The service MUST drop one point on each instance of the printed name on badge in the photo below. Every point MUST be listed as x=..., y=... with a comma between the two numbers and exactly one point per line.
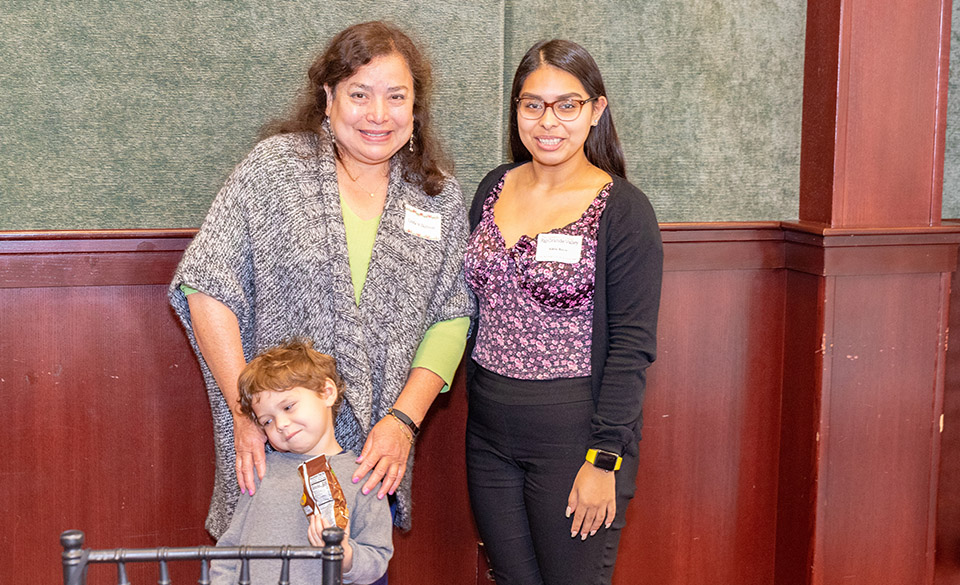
x=559, y=248
x=423, y=224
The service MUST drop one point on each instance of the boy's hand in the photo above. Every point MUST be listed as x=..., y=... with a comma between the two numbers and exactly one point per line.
x=384, y=456
x=248, y=441
x=315, y=536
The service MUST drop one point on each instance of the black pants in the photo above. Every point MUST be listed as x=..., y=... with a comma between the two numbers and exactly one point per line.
x=522, y=457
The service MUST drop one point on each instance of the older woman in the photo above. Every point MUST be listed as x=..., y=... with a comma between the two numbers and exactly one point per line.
x=343, y=227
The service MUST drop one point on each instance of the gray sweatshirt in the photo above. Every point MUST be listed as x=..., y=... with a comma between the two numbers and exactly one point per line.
x=273, y=517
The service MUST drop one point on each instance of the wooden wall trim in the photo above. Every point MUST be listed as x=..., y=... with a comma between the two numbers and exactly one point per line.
x=90, y=258
x=137, y=257
x=823, y=251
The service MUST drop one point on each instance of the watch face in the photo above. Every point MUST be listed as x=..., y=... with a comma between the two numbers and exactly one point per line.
x=605, y=460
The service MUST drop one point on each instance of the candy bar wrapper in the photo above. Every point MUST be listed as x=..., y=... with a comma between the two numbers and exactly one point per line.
x=322, y=493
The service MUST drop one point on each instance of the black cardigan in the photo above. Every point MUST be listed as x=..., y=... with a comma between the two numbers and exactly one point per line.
x=626, y=301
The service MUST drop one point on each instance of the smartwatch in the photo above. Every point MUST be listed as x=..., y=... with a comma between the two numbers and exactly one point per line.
x=604, y=460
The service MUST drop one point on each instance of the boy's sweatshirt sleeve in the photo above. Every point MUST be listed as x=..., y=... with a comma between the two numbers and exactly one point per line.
x=371, y=536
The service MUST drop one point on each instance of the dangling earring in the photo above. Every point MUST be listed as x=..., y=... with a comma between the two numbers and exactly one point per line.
x=411, y=143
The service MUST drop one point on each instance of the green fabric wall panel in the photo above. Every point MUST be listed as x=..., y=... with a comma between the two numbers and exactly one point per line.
x=126, y=115
x=951, y=170
x=131, y=115
x=706, y=95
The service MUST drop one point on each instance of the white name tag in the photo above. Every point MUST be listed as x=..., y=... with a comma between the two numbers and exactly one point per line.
x=423, y=224
x=559, y=248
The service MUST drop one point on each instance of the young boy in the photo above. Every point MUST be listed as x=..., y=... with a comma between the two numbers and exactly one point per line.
x=293, y=392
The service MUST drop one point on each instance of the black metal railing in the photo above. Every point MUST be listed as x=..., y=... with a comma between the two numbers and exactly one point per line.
x=76, y=559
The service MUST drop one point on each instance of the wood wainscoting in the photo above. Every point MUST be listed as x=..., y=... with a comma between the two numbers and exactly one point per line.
x=109, y=428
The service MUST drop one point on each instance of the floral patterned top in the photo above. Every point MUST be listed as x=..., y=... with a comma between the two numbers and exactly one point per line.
x=535, y=315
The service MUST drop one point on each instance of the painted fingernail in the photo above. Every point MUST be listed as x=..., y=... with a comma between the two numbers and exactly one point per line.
x=573, y=535
x=365, y=491
x=356, y=479
x=379, y=496
x=592, y=532
x=569, y=511
x=583, y=536
x=607, y=525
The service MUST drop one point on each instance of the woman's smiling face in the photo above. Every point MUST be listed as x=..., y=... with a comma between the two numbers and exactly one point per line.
x=371, y=112
x=552, y=141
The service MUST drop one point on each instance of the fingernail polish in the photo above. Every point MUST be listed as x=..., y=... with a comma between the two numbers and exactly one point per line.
x=592, y=532
x=573, y=535
x=365, y=491
x=583, y=537
x=356, y=479
x=569, y=511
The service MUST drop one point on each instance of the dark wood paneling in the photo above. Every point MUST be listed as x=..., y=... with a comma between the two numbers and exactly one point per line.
x=879, y=428
x=816, y=249
x=818, y=147
x=799, y=422
x=705, y=507
x=99, y=258
x=108, y=428
x=442, y=545
x=862, y=394
x=948, y=502
x=108, y=404
x=874, y=97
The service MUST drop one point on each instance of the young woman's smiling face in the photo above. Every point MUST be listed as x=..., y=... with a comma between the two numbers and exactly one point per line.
x=371, y=112
x=550, y=140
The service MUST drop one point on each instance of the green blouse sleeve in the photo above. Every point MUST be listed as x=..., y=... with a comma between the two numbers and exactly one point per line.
x=442, y=347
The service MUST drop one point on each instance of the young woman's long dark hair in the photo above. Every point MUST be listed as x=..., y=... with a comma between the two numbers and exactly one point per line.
x=602, y=146
x=349, y=50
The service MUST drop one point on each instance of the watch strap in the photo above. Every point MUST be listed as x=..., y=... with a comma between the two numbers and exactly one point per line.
x=402, y=417
x=604, y=459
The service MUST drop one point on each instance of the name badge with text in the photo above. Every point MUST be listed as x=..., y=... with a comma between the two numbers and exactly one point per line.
x=423, y=224
x=559, y=248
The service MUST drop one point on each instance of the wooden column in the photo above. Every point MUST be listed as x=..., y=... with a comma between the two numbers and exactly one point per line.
x=868, y=284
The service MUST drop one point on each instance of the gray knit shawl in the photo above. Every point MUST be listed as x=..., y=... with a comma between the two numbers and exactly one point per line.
x=273, y=249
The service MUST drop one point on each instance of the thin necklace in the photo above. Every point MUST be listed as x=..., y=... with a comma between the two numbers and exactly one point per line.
x=357, y=183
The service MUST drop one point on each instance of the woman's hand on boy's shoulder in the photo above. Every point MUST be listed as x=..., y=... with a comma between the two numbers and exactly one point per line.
x=249, y=441
x=384, y=457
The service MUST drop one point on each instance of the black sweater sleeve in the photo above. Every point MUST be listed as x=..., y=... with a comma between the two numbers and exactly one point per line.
x=626, y=306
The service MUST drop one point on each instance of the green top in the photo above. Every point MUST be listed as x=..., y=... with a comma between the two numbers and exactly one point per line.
x=443, y=343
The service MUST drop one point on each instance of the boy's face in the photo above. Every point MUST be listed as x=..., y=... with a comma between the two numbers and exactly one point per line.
x=298, y=420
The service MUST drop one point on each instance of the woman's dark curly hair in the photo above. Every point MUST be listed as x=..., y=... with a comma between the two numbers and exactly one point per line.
x=349, y=50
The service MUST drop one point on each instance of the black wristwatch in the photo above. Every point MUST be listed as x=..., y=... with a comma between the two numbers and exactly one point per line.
x=604, y=460
x=400, y=416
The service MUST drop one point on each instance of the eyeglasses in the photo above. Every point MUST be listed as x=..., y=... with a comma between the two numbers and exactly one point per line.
x=566, y=110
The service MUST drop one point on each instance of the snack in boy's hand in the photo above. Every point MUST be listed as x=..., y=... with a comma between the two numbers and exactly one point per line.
x=322, y=493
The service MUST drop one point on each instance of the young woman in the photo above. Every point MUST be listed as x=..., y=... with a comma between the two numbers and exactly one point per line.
x=566, y=261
